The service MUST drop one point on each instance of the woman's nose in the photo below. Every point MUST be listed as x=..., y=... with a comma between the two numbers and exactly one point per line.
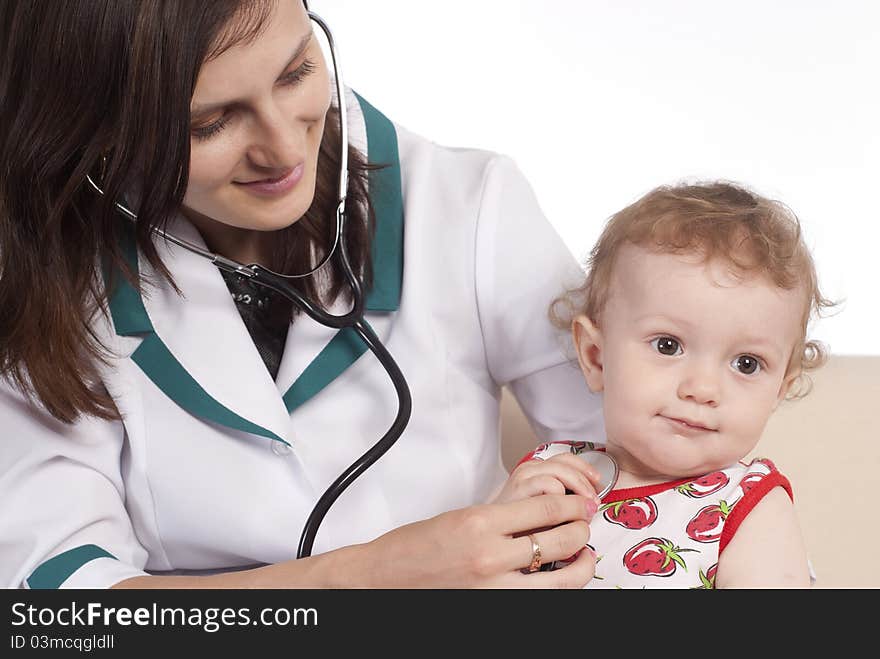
x=277, y=141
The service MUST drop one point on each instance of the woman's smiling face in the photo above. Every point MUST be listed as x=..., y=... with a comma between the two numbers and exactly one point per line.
x=257, y=119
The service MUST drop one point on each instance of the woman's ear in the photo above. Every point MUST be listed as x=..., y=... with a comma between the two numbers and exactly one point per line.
x=588, y=342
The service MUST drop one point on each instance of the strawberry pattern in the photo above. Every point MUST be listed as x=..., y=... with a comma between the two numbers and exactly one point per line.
x=670, y=535
x=707, y=580
x=635, y=513
x=704, y=485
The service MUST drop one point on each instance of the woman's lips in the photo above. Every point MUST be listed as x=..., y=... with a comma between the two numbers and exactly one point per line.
x=276, y=186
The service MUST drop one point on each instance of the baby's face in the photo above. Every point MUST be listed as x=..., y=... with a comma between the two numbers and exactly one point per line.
x=692, y=361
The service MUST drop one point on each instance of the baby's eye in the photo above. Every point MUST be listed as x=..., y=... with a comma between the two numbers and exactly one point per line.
x=747, y=364
x=666, y=345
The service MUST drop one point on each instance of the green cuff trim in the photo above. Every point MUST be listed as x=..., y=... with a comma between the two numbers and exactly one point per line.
x=55, y=571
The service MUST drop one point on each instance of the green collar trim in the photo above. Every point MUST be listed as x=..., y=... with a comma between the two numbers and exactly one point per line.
x=126, y=305
x=387, y=197
x=157, y=361
x=159, y=364
x=341, y=352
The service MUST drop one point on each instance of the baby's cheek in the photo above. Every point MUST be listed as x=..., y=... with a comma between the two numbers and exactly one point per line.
x=636, y=392
x=748, y=411
x=627, y=408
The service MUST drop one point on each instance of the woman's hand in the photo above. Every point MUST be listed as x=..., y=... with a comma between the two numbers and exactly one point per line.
x=486, y=546
x=556, y=475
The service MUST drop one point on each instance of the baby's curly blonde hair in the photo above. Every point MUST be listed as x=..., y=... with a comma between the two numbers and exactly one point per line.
x=717, y=220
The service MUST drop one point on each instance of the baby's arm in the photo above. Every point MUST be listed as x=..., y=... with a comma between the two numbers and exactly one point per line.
x=767, y=550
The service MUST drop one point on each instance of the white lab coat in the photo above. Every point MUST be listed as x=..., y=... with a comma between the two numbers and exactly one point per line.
x=197, y=477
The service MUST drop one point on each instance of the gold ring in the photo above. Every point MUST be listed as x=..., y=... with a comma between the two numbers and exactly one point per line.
x=535, y=565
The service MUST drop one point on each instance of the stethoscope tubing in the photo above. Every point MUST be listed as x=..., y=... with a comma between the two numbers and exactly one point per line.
x=404, y=410
x=353, y=319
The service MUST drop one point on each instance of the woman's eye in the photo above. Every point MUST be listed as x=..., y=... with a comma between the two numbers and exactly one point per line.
x=211, y=129
x=300, y=72
x=666, y=345
x=747, y=364
x=294, y=77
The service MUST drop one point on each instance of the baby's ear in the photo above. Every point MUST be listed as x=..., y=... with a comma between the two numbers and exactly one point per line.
x=787, y=383
x=588, y=342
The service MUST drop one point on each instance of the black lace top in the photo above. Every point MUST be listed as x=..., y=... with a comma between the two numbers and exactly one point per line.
x=265, y=313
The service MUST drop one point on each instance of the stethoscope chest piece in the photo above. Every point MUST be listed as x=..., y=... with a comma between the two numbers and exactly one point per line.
x=608, y=472
x=607, y=467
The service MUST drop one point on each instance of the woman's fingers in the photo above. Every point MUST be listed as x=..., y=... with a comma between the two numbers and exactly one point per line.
x=496, y=535
x=546, y=546
x=486, y=546
x=537, y=485
x=575, y=574
x=556, y=475
x=546, y=510
x=575, y=474
x=560, y=542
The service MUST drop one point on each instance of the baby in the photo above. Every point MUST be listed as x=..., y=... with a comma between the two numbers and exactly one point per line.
x=692, y=323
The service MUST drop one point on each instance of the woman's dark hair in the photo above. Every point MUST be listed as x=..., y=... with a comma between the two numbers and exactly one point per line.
x=80, y=79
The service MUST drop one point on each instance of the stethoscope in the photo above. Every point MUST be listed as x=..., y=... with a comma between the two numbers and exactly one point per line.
x=608, y=471
x=354, y=319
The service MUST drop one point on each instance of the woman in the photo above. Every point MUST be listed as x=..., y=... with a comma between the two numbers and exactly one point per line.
x=169, y=425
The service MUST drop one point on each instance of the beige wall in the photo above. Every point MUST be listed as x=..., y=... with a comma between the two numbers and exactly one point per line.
x=828, y=444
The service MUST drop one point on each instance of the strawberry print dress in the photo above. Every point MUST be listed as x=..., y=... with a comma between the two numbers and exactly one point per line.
x=670, y=535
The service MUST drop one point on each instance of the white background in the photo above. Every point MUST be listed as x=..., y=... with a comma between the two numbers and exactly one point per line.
x=599, y=101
